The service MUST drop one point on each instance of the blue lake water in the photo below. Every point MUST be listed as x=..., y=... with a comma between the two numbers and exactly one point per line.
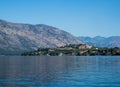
x=99, y=71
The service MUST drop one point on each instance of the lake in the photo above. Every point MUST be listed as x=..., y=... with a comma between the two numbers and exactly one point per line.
x=97, y=71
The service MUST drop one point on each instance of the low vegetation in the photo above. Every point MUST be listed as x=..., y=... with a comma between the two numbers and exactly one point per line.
x=74, y=50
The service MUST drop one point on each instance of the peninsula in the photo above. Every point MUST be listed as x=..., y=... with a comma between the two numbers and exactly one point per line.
x=74, y=50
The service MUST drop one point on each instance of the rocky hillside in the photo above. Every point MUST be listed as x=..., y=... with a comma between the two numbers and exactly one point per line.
x=21, y=37
x=113, y=41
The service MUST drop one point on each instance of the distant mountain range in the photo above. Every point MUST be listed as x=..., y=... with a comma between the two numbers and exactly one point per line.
x=113, y=41
x=15, y=37
x=18, y=37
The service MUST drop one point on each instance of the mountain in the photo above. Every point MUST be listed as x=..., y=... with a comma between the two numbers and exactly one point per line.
x=25, y=37
x=113, y=41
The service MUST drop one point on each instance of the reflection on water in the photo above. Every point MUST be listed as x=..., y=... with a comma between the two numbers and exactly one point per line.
x=59, y=71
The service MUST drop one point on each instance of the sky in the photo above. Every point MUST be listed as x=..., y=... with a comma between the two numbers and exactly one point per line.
x=78, y=17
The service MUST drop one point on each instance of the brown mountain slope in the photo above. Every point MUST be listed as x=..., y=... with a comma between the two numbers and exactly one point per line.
x=18, y=37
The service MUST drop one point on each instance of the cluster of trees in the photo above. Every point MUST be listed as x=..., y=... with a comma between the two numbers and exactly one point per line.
x=74, y=50
x=104, y=51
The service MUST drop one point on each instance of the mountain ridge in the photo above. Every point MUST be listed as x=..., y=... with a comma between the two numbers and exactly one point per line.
x=112, y=41
x=18, y=36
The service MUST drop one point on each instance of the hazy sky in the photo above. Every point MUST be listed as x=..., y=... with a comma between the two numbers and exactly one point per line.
x=79, y=17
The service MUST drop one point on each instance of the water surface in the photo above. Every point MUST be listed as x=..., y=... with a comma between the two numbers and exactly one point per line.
x=59, y=71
